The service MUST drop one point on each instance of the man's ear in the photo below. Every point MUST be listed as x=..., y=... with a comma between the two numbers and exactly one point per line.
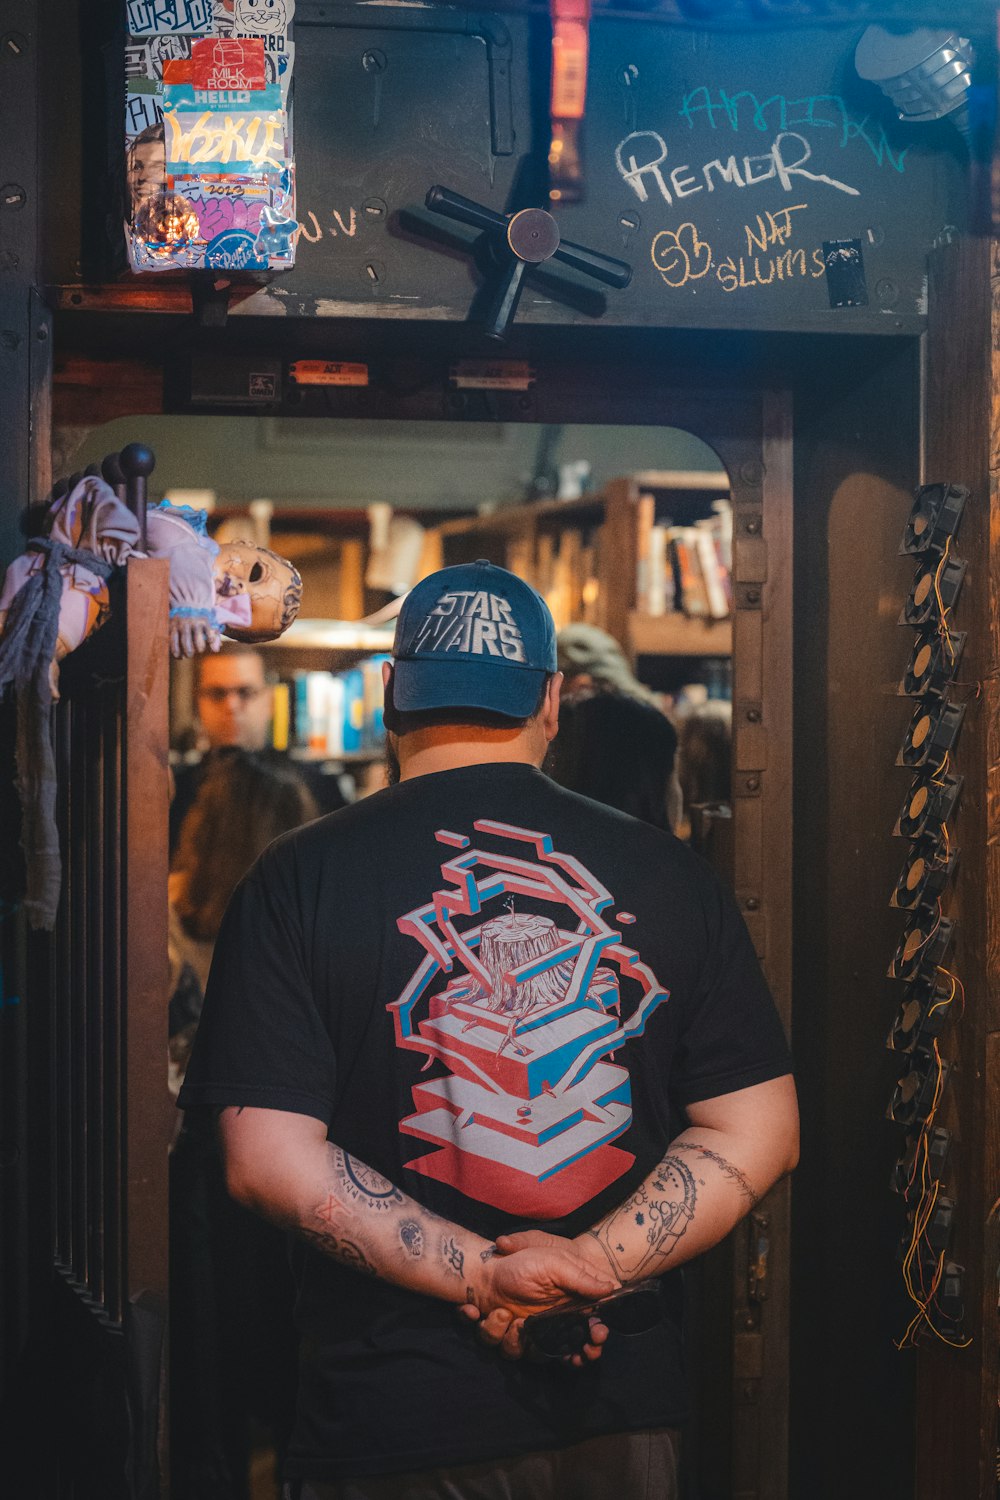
x=550, y=706
x=389, y=707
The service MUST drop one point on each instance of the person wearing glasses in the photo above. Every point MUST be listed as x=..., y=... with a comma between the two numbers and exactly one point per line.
x=234, y=702
x=501, y=1060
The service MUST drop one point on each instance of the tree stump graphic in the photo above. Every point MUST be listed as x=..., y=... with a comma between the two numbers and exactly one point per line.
x=507, y=944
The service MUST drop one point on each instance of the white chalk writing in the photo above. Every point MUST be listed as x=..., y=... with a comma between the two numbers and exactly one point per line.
x=642, y=155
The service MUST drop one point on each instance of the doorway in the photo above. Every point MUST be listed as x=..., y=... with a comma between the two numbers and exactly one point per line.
x=597, y=517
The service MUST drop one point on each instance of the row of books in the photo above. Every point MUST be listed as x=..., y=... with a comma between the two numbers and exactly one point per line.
x=331, y=714
x=685, y=568
x=565, y=568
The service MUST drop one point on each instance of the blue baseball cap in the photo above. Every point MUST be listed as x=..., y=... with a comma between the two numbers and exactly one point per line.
x=474, y=636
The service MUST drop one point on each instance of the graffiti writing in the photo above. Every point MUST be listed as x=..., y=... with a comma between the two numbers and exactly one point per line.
x=681, y=255
x=313, y=231
x=777, y=114
x=239, y=142
x=641, y=156
x=168, y=15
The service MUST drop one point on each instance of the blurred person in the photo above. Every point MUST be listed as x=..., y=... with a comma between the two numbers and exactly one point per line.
x=232, y=1339
x=589, y=658
x=704, y=760
x=235, y=704
x=618, y=750
x=235, y=699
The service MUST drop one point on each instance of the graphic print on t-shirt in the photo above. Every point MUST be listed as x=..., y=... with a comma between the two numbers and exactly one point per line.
x=527, y=1026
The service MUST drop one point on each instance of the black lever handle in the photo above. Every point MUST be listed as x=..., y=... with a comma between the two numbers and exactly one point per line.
x=526, y=239
x=453, y=206
x=616, y=273
x=504, y=303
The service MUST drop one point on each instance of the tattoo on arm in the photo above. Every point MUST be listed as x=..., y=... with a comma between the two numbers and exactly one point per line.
x=488, y=1253
x=412, y=1237
x=346, y=1251
x=454, y=1256
x=727, y=1168
x=661, y=1214
x=363, y=1185
x=331, y=1209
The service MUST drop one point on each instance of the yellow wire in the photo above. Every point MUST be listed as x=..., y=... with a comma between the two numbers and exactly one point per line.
x=943, y=629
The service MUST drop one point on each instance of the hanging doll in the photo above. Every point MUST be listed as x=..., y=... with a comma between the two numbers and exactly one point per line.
x=56, y=594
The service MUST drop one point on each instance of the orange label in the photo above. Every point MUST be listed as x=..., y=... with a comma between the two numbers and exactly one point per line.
x=327, y=372
x=569, y=70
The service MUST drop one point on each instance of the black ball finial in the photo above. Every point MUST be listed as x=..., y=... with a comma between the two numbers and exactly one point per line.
x=137, y=461
x=111, y=470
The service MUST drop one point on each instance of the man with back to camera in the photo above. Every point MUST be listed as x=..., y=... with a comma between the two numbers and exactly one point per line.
x=235, y=703
x=481, y=1043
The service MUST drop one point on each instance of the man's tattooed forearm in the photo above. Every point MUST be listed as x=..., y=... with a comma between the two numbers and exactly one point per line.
x=727, y=1168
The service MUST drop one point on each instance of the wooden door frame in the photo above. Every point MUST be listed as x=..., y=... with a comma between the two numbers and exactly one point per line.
x=751, y=432
x=956, y=1444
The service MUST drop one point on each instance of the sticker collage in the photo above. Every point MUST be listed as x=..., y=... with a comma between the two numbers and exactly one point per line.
x=209, y=162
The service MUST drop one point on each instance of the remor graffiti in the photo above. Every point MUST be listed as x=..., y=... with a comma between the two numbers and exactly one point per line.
x=641, y=156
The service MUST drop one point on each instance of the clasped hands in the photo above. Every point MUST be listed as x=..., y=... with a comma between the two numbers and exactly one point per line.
x=531, y=1272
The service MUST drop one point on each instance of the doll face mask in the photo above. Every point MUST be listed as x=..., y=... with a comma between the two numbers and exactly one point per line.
x=273, y=586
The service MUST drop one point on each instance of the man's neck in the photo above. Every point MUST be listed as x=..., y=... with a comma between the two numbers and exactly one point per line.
x=450, y=747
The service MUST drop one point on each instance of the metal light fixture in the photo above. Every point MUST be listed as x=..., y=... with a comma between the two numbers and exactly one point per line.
x=926, y=74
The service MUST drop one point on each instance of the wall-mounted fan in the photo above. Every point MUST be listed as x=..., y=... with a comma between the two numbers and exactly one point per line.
x=937, y=510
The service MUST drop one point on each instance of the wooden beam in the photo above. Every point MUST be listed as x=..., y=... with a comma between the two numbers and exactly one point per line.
x=90, y=392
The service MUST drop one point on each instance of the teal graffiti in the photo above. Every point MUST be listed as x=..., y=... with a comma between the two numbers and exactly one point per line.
x=776, y=113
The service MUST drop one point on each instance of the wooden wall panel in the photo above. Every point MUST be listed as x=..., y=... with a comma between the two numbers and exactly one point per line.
x=957, y=1389
x=856, y=436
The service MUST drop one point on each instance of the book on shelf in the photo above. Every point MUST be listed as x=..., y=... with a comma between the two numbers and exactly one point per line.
x=687, y=568
x=336, y=714
x=645, y=521
x=713, y=572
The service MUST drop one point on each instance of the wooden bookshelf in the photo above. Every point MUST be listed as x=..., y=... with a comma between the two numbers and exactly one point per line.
x=678, y=635
x=582, y=556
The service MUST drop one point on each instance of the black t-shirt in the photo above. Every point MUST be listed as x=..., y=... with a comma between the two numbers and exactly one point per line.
x=500, y=995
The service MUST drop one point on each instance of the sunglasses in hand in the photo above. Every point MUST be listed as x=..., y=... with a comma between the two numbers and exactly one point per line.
x=563, y=1331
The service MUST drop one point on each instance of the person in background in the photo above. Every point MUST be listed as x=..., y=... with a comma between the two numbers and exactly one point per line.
x=232, y=1340
x=704, y=759
x=590, y=660
x=630, y=750
x=618, y=750
x=235, y=702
